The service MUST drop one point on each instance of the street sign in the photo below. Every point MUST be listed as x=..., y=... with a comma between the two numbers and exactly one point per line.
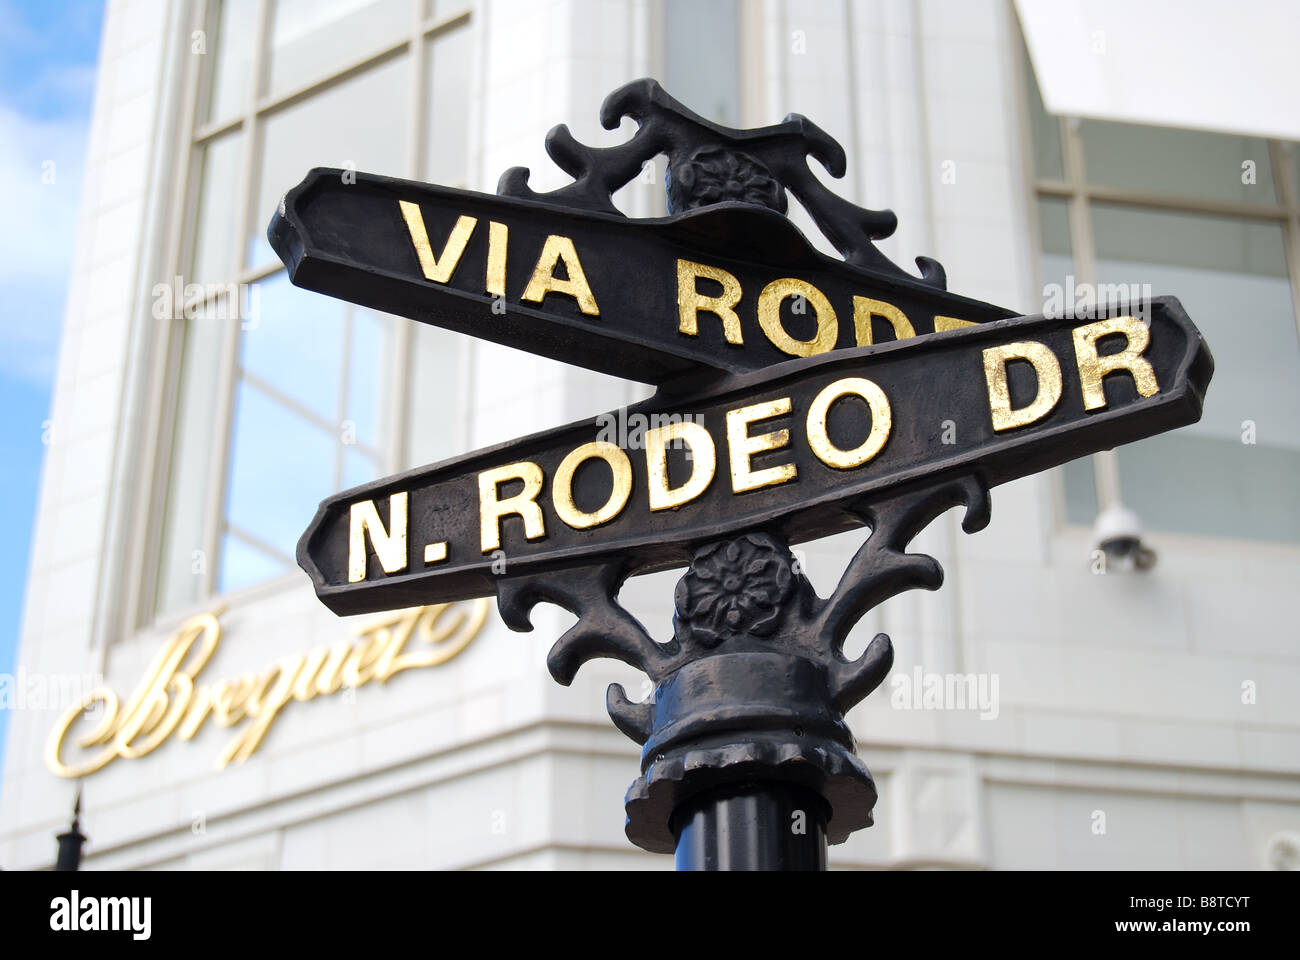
x=799, y=396
x=726, y=284
x=792, y=447
x=721, y=290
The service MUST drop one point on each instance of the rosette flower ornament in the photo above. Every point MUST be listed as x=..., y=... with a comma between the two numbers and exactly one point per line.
x=716, y=175
x=734, y=587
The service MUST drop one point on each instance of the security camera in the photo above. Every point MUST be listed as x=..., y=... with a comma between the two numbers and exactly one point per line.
x=1283, y=852
x=1118, y=535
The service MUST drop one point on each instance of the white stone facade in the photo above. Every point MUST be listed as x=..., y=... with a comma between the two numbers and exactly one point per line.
x=1119, y=694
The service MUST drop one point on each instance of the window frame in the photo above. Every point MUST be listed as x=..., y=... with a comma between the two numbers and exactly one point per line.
x=195, y=135
x=1079, y=195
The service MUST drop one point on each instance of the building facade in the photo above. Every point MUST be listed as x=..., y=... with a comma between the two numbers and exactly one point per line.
x=1132, y=709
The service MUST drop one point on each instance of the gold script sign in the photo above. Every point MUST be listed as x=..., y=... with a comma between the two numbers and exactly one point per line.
x=169, y=700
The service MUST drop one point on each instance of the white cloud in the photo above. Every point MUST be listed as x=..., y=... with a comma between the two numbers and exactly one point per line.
x=39, y=236
x=67, y=84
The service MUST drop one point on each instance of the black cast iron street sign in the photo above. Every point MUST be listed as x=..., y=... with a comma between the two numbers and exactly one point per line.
x=798, y=396
x=722, y=289
x=793, y=447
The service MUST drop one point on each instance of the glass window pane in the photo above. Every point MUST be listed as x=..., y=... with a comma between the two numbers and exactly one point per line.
x=448, y=72
x=434, y=424
x=1187, y=163
x=443, y=9
x=232, y=60
x=1045, y=129
x=358, y=468
x=214, y=225
x=243, y=565
x=1080, y=484
x=1054, y=234
x=339, y=127
x=1213, y=486
x=281, y=467
x=701, y=57
x=365, y=415
x=1231, y=278
x=311, y=39
x=294, y=342
x=183, y=564
x=1198, y=248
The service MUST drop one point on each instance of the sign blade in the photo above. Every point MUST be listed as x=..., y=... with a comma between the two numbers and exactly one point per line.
x=794, y=447
x=726, y=289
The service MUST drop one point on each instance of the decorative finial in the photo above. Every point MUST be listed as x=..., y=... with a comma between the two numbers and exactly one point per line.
x=709, y=163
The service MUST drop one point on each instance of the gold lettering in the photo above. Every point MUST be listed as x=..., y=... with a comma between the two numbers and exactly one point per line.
x=448, y=639
x=396, y=631
x=881, y=422
x=562, y=485
x=273, y=691
x=545, y=281
x=1093, y=368
x=390, y=545
x=942, y=323
x=162, y=700
x=54, y=745
x=200, y=706
x=703, y=462
x=167, y=700
x=438, y=270
x=742, y=446
x=153, y=711
x=322, y=673
x=230, y=699
x=524, y=503
x=498, y=237
x=366, y=652
x=864, y=308
x=690, y=302
x=769, y=317
x=1047, y=371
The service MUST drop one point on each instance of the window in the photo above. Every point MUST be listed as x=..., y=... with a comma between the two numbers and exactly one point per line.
x=284, y=396
x=701, y=57
x=1212, y=220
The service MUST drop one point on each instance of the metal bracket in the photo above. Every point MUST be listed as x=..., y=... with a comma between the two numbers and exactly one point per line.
x=754, y=683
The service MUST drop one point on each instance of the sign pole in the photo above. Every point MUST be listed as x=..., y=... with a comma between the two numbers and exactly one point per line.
x=71, y=841
x=752, y=827
x=799, y=396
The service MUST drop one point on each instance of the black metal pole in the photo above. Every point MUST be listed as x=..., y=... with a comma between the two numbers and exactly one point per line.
x=759, y=826
x=70, y=843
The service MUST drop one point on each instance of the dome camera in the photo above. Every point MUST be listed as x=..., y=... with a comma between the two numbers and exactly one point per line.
x=1118, y=535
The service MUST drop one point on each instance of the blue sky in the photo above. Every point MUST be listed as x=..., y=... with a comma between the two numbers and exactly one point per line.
x=48, y=51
